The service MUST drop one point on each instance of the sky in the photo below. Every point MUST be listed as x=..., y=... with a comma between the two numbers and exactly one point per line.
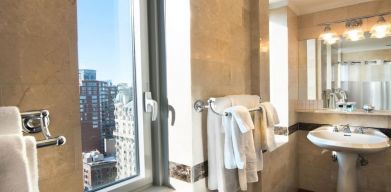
x=104, y=39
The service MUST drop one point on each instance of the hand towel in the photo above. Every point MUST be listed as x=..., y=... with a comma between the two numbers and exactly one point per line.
x=236, y=125
x=14, y=171
x=10, y=121
x=252, y=102
x=267, y=120
x=216, y=170
x=32, y=160
x=18, y=154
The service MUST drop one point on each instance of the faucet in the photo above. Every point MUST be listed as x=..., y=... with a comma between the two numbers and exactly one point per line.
x=360, y=130
x=346, y=128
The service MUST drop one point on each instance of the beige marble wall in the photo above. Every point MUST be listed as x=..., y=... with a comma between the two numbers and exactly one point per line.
x=317, y=172
x=293, y=65
x=309, y=24
x=39, y=71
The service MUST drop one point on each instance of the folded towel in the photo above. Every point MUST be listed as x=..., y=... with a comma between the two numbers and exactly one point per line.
x=271, y=114
x=14, y=171
x=10, y=121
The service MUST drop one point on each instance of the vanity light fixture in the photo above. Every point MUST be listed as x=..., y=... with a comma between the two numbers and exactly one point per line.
x=354, y=31
x=328, y=36
x=381, y=29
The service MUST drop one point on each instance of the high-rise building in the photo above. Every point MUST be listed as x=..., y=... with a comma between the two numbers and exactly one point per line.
x=96, y=110
x=125, y=132
x=98, y=170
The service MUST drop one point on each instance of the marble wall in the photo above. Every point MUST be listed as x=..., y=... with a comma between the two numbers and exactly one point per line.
x=38, y=61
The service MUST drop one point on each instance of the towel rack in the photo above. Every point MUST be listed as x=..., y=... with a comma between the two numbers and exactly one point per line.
x=38, y=121
x=201, y=105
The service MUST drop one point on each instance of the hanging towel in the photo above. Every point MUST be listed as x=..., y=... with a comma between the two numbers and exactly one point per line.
x=252, y=102
x=32, y=160
x=14, y=171
x=216, y=170
x=18, y=166
x=239, y=151
x=268, y=119
x=10, y=121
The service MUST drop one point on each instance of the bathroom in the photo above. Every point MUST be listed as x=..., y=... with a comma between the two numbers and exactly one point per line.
x=121, y=95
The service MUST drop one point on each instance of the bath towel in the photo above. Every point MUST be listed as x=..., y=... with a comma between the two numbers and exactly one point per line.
x=11, y=122
x=216, y=170
x=18, y=154
x=239, y=151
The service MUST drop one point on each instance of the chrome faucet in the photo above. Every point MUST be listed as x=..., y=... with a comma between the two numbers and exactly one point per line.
x=360, y=130
x=335, y=129
x=346, y=128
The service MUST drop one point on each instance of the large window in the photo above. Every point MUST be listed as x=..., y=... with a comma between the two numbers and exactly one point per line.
x=114, y=131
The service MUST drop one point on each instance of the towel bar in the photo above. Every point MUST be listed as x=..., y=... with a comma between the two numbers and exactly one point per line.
x=38, y=121
x=201, y=105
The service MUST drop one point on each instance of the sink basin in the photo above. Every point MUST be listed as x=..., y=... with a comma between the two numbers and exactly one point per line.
x=371, y=141
x=348, y=146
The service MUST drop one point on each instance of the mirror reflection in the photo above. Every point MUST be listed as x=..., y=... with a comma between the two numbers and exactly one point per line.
x=347, y=75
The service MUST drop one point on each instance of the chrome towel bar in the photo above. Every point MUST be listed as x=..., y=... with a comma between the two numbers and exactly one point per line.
x=38, y=121
x=201, y=105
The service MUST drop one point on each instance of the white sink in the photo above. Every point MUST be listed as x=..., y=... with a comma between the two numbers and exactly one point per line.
x=371, y=141
x=348, y=146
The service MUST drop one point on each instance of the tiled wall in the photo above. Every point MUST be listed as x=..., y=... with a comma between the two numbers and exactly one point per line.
x=39, y=71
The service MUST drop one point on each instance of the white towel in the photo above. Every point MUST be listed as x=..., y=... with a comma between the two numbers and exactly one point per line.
x=10, y=121
x=14, y=171
x=32, y=159
x=252, y=102
x=18, y=154
x=216, y=170
x=239, y=151
x=236, y=125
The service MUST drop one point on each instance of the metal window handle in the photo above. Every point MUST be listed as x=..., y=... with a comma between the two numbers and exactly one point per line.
x=150, y=105
x=172, y=110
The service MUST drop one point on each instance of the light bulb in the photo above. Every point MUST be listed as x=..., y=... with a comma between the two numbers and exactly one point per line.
x=354, y=31
x=381, y=29
x=328, y=36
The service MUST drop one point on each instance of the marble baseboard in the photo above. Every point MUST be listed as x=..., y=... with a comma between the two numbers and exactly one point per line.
x=187, y=173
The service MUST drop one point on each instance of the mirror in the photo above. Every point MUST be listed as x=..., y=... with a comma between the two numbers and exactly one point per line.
x=346, y=74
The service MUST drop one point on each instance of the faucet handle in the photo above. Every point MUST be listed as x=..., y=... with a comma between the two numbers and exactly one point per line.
x=335, y=129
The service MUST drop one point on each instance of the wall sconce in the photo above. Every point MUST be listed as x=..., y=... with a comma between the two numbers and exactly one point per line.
x=381, y=29
x=354, y=31
x=328, y=36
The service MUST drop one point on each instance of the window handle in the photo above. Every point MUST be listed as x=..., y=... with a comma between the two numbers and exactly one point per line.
x=172, y=110
x=150, y=105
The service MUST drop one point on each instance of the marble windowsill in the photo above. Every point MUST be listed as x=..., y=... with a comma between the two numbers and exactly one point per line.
x=355, y=112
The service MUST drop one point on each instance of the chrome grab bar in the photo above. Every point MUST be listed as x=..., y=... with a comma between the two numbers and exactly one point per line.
x=38, y=121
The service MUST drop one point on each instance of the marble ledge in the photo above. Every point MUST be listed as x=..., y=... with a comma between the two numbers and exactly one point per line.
x=355, y=112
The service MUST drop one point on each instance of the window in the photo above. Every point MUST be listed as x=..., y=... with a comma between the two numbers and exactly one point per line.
x=113, y=76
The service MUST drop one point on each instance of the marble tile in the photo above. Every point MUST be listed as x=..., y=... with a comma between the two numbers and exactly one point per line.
x=39, y=71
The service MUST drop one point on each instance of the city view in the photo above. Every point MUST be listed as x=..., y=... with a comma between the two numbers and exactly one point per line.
x=108, y=130
x=107, y=112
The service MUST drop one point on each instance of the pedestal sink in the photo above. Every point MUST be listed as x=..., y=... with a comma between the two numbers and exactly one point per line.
x=348, y=146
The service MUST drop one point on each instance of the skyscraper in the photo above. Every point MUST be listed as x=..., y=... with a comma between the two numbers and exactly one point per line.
x=96, y=110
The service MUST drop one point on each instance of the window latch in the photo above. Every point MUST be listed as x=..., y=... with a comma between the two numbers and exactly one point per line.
x=150, y=105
